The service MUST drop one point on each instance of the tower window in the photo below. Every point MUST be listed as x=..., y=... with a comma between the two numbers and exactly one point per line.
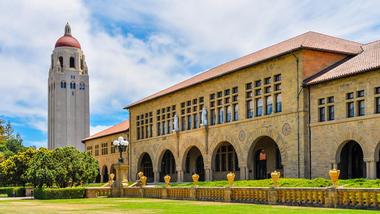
x=72, y=85
x=61, y=61
x=63, y=84
x=72, y=62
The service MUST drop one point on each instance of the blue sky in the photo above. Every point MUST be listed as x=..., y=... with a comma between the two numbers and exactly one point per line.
x=134, y=48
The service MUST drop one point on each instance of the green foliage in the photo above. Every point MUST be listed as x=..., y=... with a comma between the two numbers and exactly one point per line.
x=59, y=193
x=12, y=170
x=10, y=143
x=12, y=191
x=42, y=169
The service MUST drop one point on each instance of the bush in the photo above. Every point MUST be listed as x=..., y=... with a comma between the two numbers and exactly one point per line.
x=59, y=193
x=13, y=191
x=6, y=191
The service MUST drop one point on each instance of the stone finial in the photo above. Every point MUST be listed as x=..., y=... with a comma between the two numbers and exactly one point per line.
x=67, y=29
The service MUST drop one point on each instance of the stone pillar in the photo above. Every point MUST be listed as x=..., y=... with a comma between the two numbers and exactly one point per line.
x=208, y=174
x=272, y=196
x=179, y=176
x=121, y=179
x=371, y=169
x=164, y=193
x=193, y=193
x=227, y=194
x=156, y=176
x=243, y=173
x=331, y=198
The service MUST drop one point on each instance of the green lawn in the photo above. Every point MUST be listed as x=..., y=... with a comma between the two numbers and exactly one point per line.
x=128, y=205
x=291, y=182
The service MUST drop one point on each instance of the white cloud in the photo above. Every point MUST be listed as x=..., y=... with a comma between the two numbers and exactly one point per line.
x=96, y=129
x=177, y=37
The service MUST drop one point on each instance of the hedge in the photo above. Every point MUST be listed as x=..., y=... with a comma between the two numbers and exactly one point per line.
x=59, y=193
x=13, y=191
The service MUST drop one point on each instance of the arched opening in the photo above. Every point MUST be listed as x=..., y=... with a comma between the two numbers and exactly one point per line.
x=61, y=61
x=146, y=166
x=351, y=163
x=264, y=158
x=168, y=166
x=113, y=171
x=225, y=160
x=72, y=62
x=194, y=164
x=105, y=174
x=98, y=177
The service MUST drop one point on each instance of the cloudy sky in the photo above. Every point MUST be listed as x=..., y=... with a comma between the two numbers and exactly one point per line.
x=134, y=48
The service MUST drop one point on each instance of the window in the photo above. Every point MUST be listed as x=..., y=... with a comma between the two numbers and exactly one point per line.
x=249, y=109
x=259, y=107
x=277, y=77
x=361, y=108
x=189, y=122
x=104, y=148
x=322, y=116
x=236, y=112
x=360, y=93
x=190, y=118
x=81, y=86
x=278, y=102
x=350, y=96
x=96, y=150
x=269, y=105
x=350, y=109
x=267, y=80
x=61, y=61
x=72, y=62
x=377, y=100
x=226, y=159
x=220, y=116
x=89, y=150
x=72, y=85
x=331, y=112
x=183, y=123
x=144, y=126
x=63, y=84
x=212, y=117
x=228, y=114
x=257, y=83
x=196, y=121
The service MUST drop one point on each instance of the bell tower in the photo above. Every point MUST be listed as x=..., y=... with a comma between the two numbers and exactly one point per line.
x=68, y=94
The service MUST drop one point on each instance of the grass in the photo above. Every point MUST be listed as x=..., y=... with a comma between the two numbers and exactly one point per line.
x=290, y=182
x=129, y=205
x=94, y=185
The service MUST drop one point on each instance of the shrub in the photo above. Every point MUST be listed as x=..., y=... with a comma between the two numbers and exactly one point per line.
x=59, y=193
x=19, y=191
x=6, y=191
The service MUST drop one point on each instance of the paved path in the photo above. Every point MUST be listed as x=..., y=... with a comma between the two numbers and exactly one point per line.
x=15, y=198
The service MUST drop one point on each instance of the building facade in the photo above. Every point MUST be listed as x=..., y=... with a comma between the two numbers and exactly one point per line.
x=309, y=104
x=101, y=148
x=68, y=94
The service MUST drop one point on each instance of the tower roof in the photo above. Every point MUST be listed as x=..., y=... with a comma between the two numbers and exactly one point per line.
x=67, y=40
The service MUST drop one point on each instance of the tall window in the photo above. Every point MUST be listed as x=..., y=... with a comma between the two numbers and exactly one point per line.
x=226, y=159
x=61, y=61
x=212, y=117
x=145, y=125
x=183, y=123
x=278, y=102
x=104, y=148
x=72, y=62
x=220, y=115
x=268, y=105
x=326, y=109
x=189, y=122
x=236, y=112
x=259, y=107
x=190, y=111
x=357, y=102
x=377, y=100
x=228, y=114
x=196, y=121
x=63, y=84
x=322, y=116
x=164, y=118
x=249, y=109
x=89, y=150
x=72, y=85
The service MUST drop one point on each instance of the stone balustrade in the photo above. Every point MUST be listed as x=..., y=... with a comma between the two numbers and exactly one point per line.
x=315, y=197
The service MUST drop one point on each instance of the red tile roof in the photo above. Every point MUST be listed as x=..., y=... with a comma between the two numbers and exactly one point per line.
x=118, y=128
x=368, y=60
x=311, y=40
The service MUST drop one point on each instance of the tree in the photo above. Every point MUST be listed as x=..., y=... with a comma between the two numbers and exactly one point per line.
x=73, y=167
x=42, y=169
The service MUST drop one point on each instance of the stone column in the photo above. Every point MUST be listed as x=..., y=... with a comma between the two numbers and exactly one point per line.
x=243, y=173
x=208, y=174
x=371, y=169
x=227, y=194
x=272, y=196
x=156, y=176
x=121, y=179
x=179, y=176
x=331, y=198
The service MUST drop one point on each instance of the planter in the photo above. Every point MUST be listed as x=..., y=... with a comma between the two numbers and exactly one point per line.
x=195, y=177
x=231, y=178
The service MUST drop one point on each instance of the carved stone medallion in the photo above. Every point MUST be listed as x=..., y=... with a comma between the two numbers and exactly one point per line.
x=242, y=135
x=286, y=129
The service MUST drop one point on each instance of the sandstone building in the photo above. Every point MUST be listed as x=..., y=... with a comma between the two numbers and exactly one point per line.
x=309, y=103
x=100, y=146
x=68, y=96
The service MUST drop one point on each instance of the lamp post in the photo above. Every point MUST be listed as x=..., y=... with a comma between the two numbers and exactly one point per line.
x=121, y=144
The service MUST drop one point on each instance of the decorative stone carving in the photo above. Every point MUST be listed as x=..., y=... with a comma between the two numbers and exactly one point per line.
x=204, y=116
x=242, y=135
x=175, y=123
x=286, y=129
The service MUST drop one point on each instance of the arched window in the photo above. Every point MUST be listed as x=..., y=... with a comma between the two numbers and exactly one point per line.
x=72, y=62
x=226, y=159
x=72, y=85
x=61, y=61
x=63, y=84
x=81, y=86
